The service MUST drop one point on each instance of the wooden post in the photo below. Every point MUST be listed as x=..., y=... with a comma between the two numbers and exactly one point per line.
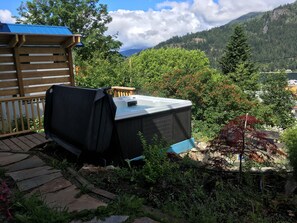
x=13, y=43
x=70, y=64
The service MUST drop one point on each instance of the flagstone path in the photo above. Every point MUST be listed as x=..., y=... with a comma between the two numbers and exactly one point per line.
x=33, y=175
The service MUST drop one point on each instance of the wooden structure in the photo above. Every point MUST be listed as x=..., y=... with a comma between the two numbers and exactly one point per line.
x=22, y=143
x=29, y=65
x=122, y=91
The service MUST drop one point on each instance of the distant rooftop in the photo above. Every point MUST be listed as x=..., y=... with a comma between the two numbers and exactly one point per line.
x=34, y=29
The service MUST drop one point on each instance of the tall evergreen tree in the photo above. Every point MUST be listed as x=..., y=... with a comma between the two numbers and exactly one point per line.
x=236, y=52
x=236, y=62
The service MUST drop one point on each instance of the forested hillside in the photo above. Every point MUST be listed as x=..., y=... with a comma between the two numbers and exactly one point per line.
x=272, y=36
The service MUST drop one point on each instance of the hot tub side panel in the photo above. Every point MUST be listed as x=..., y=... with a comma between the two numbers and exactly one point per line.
x=172, y=125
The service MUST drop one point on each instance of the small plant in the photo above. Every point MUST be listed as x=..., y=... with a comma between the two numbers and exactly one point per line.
x=34, y=210
x=127, y=205
x=157, y=165
x=5, y=202
x=62, y=165
x=289, y=137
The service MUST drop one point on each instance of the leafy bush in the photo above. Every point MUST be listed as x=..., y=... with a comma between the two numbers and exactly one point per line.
x=278, y=99
x=215, y=99
x=148, y=67
x=157, y=165
x=289, y=137
x=100, y=71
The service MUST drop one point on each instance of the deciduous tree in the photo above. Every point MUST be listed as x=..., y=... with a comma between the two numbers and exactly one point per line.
x=278, y=99
x=150, y=65
x=85, y=17
x=240, y=137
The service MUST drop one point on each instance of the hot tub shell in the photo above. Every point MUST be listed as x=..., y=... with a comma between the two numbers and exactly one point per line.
x=91, y=121
x=169, y=119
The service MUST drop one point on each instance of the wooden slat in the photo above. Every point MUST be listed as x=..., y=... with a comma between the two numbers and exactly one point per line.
x=5, y=84
x=45, y=73
x=7, y=76
x=15, y=116
x=27, y=114
x=27, y=98
x=40, y=50
x=2, y=117
x=33, y=113
x=14, y=133
x=39, y=115
x=36, y=89
x=21, y=114
x=46, y=81
x=11, y=145
x=26, y=141
x=34, y=140
x=8, y=116
x=45, y=40
x=43, y=66
x=9, y=92
x=5, y=50
x=40, y=137
x=3, y=146
x=41, y=58
x=6, y=59
x=20, y=144
x=7, y=67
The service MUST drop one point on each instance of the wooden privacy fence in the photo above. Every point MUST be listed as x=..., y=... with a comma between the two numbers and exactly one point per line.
x=29, y=65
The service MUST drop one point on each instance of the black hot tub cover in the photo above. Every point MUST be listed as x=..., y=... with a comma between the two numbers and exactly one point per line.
x=79, y=119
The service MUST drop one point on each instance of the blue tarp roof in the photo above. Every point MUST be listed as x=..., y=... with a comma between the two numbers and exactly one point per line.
x=34, y=29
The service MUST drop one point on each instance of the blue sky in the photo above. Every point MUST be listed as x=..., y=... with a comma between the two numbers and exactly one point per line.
x=113, y=5
x=145, y=23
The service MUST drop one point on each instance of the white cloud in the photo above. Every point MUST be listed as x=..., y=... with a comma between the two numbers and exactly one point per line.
x=6, y=16
x=227, y=10
x=148, y=28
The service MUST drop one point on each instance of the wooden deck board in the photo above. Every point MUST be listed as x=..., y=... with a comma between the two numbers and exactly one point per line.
x=40, y=137
x=3, y=146
x=34, y=140
x=11, y=145
x=20, y=144
x=23, y=143
x=28, y=142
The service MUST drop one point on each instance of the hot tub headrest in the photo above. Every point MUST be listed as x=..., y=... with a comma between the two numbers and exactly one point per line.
x=79, y=119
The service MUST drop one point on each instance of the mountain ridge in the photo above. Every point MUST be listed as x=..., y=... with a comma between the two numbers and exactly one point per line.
x=271, y=35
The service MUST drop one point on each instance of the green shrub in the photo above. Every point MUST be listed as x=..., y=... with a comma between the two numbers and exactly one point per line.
x=289, y=137
x=157, y=165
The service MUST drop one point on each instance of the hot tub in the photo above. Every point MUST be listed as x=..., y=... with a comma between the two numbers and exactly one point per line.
x=166, y=118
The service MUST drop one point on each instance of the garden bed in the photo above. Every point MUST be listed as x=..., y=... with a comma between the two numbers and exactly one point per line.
x=186, y=189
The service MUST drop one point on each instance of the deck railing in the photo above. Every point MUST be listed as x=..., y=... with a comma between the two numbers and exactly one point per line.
x=20, y=115
x=122, y=91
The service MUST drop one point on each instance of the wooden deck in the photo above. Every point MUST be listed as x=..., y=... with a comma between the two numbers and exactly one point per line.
x=23, y=143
